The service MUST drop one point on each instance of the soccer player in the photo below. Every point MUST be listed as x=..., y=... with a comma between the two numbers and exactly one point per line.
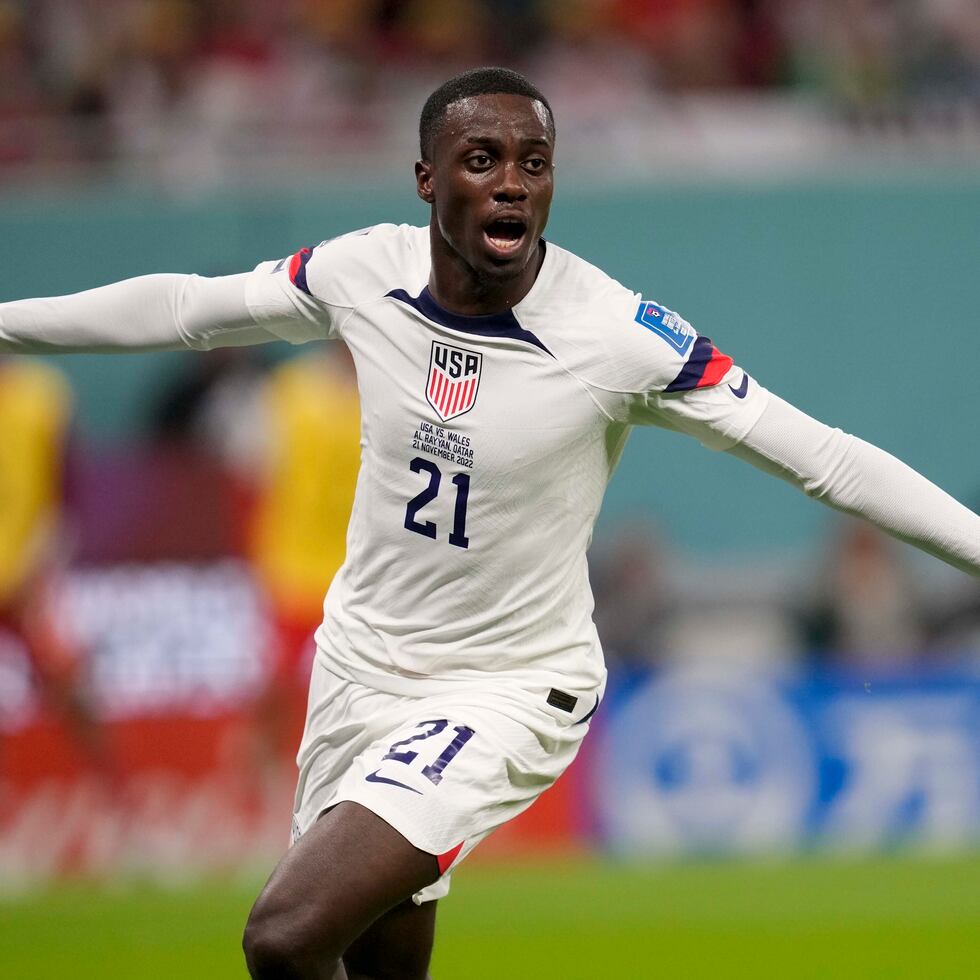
x=499, y=375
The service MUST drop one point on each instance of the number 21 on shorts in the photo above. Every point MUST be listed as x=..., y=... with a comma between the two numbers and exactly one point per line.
x=399, y=754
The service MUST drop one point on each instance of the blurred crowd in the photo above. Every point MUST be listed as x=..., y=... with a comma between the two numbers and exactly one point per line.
x=858, y=605
x=203, y=85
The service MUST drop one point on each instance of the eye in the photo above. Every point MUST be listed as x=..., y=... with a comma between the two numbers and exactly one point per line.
x=479, y=161
x=536, y=165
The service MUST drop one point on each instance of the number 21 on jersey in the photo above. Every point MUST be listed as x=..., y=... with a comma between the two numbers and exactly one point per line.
x=428, y=529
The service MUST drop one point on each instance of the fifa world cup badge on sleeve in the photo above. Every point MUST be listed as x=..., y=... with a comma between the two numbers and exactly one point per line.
x=667, y=324
x=454, y=380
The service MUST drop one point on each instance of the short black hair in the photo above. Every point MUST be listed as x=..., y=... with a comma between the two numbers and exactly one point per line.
x=476, y=81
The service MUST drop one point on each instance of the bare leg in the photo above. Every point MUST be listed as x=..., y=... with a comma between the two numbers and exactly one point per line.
x=343, y=874
x=397, y=946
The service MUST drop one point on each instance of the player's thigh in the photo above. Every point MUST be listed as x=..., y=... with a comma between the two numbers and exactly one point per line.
x=396, y=946
x=345, y=872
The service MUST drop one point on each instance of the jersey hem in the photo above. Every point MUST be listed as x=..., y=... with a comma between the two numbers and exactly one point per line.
x=524, y=684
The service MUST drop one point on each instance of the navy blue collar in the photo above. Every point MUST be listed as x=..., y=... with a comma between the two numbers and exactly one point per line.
x=492, y=325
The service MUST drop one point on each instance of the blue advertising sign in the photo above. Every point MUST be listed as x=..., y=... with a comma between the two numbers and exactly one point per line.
x=702, y=759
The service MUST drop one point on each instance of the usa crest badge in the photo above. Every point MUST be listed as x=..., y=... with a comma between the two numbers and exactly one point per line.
x=454, y=380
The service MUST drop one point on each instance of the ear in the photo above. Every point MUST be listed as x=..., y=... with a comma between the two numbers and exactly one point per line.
x=423, y=181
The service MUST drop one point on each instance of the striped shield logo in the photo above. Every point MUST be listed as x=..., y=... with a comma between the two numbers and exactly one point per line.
x=454, y=377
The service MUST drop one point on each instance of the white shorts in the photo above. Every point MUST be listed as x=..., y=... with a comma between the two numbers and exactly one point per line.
x=444, y=770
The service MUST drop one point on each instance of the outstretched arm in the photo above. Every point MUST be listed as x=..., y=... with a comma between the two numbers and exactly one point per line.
x=675, y=378
x=739, y=416
x=857, y=478
x=827, y=464
x=159, y=312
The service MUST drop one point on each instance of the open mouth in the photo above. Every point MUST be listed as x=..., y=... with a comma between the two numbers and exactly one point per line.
x=505, y=234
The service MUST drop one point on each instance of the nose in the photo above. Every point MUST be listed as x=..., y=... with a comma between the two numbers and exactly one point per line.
x=511, y=186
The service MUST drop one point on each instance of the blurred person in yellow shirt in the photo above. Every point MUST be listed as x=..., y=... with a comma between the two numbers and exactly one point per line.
x=299, y=529
x=35, y=414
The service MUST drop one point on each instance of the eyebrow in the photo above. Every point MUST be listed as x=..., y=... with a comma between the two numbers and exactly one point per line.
x=496, y=141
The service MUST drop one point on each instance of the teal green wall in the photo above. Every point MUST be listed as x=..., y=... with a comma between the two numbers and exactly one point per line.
x=856, y=301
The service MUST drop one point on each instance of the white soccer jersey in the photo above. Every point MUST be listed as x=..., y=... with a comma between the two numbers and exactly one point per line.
x=486, y=445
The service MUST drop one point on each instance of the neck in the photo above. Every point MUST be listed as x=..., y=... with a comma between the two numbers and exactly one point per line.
x=459, y=288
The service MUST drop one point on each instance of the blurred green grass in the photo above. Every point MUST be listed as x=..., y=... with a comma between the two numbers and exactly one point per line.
x=881, y=918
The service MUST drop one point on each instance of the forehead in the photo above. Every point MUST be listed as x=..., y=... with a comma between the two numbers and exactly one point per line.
x=498, y=116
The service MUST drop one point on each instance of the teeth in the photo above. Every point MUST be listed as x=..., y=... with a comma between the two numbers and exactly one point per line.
x=505, y=233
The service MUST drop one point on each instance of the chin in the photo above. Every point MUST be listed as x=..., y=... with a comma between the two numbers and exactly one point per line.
x=499, y=272
x=507, y=268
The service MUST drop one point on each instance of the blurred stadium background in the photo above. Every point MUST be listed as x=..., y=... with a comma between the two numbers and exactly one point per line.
x=784, y=780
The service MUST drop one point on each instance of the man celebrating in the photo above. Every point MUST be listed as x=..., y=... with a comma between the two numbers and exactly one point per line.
x=499, y=375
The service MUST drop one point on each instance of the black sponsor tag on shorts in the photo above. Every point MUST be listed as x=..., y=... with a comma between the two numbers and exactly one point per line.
x=559, y=699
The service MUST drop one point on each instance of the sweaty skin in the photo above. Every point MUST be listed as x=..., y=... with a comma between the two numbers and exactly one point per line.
x=492, y=160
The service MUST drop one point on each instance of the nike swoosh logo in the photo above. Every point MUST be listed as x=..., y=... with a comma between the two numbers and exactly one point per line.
x=373, y=777
x=743, y=389
x=595, y=708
